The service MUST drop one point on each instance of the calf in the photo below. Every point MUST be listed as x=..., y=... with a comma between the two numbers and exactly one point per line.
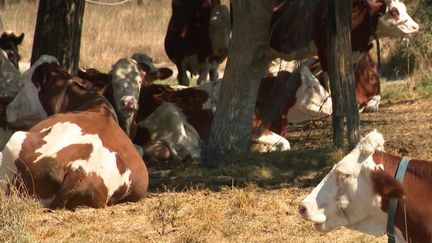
x=78, y=156
x=197, y=38
x=357, y=191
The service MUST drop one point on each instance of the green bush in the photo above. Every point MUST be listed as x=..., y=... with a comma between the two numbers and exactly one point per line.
x=415, y=53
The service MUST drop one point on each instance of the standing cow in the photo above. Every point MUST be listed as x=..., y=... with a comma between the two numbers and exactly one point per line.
x=197, y=38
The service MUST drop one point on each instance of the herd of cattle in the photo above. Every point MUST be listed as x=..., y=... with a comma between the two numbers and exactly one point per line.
x=82, y=140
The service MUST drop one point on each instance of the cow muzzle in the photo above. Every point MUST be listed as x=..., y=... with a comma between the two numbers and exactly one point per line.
x=129, y=103
x=306, y=211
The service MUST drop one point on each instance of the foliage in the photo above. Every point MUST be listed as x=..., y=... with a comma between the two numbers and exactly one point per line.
x=414, y=53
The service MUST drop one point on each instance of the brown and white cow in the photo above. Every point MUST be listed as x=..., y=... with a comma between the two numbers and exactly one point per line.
x=79, y=155
x=356, y=194
x=385, y=18
x=173, y=124
x=197, y=38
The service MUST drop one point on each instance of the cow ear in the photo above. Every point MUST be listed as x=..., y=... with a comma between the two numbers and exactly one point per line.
x=40, y=75
x=386, y=185
x=376, y=5
x=19, y=39
x=164, y=73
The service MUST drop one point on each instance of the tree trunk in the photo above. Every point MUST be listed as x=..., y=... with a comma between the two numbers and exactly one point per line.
x=58, y=32
x=1, y=23
x=232, y=124
x=341, y=73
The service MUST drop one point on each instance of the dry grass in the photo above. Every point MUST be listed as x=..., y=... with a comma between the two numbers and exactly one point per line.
x=14, y=213
x=250, y=214
x=258, y=202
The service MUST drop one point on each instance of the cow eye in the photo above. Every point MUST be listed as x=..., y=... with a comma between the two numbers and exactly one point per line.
x=344, y=177
x=394, y=12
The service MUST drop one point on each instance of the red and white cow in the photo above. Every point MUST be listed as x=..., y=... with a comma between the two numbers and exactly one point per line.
x=357, y=191
x=386, y=18
x=79, y=155
x=173, y=124
x=197, y=38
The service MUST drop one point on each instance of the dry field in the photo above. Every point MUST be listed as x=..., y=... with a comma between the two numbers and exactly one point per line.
x=251, y=199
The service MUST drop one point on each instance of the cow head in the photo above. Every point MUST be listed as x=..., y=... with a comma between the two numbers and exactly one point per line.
x=98, y=79
x=26, y=108
x=396, y=22
x=219, y=32
x=347, y=196
x=312, y=100
x=149, y=72
x=9, y=43
x=126, y=83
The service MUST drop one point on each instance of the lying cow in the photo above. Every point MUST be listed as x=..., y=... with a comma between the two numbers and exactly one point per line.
x=366, y=77
x=79, y=155
x=173, y=124
x=121, y=86
x=197, y=38
x=357, y=191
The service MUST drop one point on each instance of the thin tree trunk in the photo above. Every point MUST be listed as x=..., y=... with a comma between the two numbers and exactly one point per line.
x=232, y=124
x=341, y=73
x=58, y=32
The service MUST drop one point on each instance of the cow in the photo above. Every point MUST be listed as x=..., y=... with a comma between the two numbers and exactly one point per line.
x=121, y=86
x=357, y=191
x=370, y=18
x=366, y=78
x=367, y=84
x=174, y=123
x=9, y=43
x=197, y=38
x=77, y=154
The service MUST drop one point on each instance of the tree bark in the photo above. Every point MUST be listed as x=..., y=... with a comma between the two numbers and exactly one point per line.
x=341, y=73
x=231, y=129
x=58, y=32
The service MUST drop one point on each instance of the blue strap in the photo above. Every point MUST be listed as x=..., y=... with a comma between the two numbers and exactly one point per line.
x=400, y=173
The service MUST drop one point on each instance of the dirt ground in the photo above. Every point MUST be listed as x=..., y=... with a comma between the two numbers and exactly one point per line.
x=406, y=126
x=237, y=214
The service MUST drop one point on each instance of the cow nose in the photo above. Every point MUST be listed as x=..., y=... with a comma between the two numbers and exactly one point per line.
x=415, y=27
x=129, y=103
x=302, y=210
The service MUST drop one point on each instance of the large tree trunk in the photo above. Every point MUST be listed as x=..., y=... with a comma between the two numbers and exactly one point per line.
x=58, y=32
x=232, y=124
x=341, y=73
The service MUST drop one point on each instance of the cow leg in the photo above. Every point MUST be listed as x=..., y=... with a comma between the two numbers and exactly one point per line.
x=182, y=77
x=214, y=74
x=202, y=78
x=80, y=189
